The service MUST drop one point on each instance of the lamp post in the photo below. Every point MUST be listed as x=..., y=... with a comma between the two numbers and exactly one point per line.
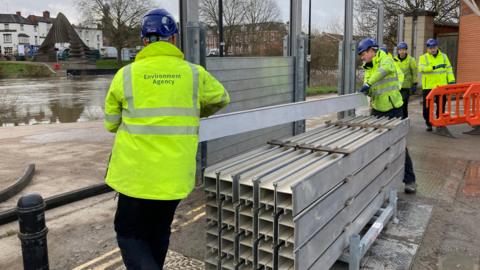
x=220, y=28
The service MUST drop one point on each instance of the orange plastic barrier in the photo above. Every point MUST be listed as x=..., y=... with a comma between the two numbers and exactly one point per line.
x=449, y=92
x=472, y=104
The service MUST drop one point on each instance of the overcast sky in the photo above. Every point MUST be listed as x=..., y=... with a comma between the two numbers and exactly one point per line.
x=324, y=12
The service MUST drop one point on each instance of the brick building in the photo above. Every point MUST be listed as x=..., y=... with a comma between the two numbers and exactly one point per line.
x=468, y=63
x=244, y=40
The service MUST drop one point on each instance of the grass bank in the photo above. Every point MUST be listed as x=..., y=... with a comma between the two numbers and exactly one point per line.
x=24, y=70
x=321, y=90
x=110, y=63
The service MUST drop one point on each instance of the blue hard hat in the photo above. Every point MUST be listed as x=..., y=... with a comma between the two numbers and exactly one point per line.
x=366, y=44
x=384, y=48
x=159, y=22
x=432, y=43
x=402, y=45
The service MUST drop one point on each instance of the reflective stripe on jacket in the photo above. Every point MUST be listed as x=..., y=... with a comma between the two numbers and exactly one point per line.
x=384, y=79
x=409, y=68
x=154, y=106
x=432, y=78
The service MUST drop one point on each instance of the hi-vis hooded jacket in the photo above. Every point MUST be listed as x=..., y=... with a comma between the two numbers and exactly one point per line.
x=432, y=78
x=385, y=79
x=154, y=105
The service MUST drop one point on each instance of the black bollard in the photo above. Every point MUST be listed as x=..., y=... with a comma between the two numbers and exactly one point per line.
x=33, y=232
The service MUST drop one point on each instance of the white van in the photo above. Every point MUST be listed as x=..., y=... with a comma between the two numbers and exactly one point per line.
x=108, y=52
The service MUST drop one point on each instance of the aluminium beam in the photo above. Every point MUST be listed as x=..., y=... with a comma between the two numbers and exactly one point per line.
x=218, y=126
x=305, y=191
x=319, y=242
x=323, y=210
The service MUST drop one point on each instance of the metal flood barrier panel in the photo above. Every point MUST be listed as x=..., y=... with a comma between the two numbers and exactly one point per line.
x=294, y=203
x=252, y=82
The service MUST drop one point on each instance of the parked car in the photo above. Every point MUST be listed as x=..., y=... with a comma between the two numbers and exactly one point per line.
x=133, y=54
x=213, y=52
x=63, y=54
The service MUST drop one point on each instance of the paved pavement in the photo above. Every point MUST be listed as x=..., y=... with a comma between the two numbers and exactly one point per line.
x=448, y=175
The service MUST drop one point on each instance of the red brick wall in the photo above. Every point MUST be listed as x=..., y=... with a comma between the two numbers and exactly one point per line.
x=468, y=63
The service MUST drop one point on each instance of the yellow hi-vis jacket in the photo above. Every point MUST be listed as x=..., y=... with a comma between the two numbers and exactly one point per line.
x=408, y=66
x=385, y=80
x=432, y=78
x=154, y=106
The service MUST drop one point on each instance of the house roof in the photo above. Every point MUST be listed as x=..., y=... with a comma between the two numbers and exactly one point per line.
x=36, y=19
x=13, y=18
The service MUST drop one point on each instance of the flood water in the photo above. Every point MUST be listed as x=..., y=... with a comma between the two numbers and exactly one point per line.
x=52, y=100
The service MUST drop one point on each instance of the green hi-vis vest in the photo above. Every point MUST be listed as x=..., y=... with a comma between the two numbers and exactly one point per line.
x=384, y=79
x=154, y=106
x=408, y=66
x=432, y=78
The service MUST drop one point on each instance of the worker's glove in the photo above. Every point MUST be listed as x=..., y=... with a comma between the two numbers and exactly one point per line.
x=439, y=66
x=452, y=82
x=364, y=89
x=413, y=90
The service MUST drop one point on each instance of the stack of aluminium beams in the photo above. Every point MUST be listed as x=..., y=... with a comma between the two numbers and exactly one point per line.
x=294, y=203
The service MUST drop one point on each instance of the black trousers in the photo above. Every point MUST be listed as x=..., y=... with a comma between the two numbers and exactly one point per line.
x=426, y=114
x=409, y=176
x=143, y=231
x=405, y=97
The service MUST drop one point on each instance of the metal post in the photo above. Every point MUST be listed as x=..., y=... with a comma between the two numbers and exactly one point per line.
x=183, y=23
x=347, y=84
x=194, y=47
x=295, y=25
x=380, y=21
x=189, y=19
x=401, y=28
x=220, y=28
x=355, y=253
x=309, y=54
x=400, y=32
x=393, y=200
x=33, y=232
x=297, y=49
x=414, y=37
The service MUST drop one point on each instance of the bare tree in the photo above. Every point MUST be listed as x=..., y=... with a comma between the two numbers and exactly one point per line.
x=260, y=16
x=366, y=14
x=120, y=19
x=233, y=17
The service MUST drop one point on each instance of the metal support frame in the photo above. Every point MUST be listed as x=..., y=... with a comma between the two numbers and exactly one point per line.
x=347, y=57
x=380, y=21
x=360, y=245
